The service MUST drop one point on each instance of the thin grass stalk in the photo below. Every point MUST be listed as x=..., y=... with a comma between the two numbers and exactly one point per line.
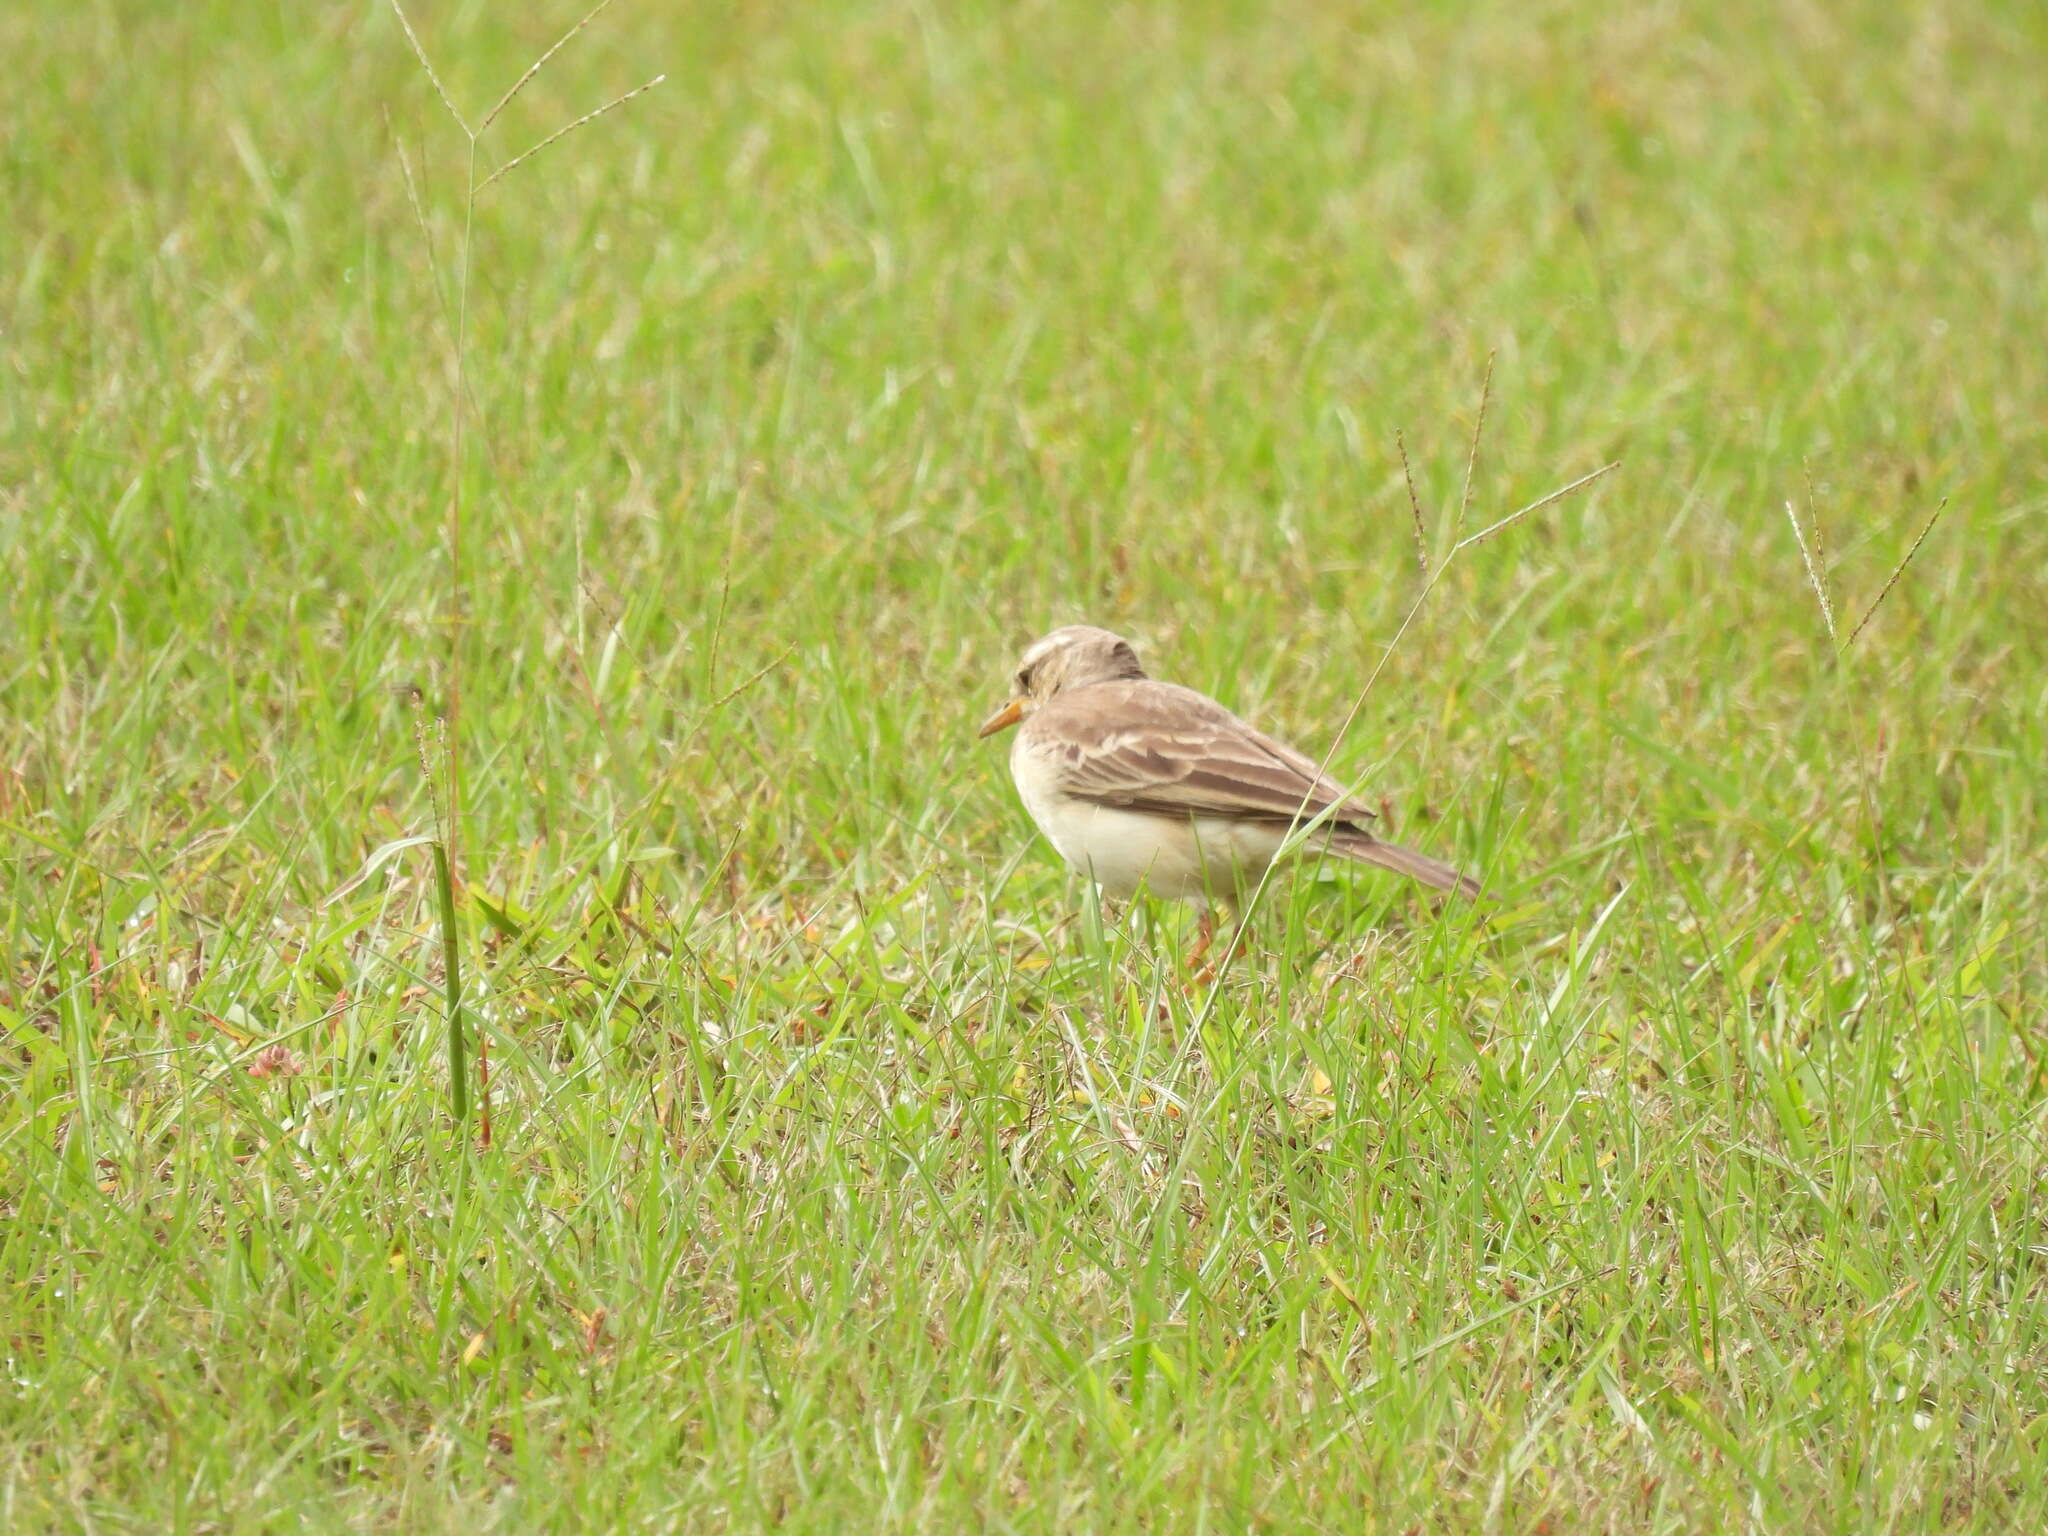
x=447, y=843
x=448, y=847
x=451, y=965
x=1869, y=765
x=453, y=831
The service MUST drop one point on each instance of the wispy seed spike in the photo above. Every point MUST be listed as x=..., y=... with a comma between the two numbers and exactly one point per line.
x=1820, y=533
x=1820, y=590
x=1414, y=507
x=419, y=213
x=1472, y=459
x=1896, y=574
x=1535, y=506
x=534, y=68
x=566, y=129
x=427, y=64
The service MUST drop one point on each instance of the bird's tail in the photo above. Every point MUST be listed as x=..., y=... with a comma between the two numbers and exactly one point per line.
x=1367, y=849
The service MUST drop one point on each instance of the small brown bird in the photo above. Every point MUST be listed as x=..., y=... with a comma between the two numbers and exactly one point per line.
x=1147, y=785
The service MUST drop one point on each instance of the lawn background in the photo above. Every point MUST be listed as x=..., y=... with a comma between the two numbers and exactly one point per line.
x=845, y=1174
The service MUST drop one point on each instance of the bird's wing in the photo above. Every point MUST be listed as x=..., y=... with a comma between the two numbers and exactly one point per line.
x=1169, y=751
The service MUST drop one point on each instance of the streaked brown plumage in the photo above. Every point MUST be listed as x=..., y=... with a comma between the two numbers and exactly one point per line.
x=1144, y=784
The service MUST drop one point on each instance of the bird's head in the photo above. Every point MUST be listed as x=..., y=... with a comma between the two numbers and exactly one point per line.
x=1072, y=657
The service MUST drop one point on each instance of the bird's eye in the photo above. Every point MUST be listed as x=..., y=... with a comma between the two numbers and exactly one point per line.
x=1024, y=680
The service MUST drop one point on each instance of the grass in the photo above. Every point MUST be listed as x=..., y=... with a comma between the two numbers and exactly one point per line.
x=845, y=1172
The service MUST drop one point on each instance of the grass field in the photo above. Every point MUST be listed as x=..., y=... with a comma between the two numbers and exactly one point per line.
x=847, y=1170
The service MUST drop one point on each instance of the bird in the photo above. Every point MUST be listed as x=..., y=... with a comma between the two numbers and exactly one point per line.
x=1144, y=785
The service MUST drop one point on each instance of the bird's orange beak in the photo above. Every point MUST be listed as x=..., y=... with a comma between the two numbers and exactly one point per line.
x=1003, y=718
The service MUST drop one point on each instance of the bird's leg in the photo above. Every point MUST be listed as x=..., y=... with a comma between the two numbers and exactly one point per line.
x=1205, y=941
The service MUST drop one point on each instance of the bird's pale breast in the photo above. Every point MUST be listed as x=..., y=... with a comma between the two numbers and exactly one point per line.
x=1122, y=851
